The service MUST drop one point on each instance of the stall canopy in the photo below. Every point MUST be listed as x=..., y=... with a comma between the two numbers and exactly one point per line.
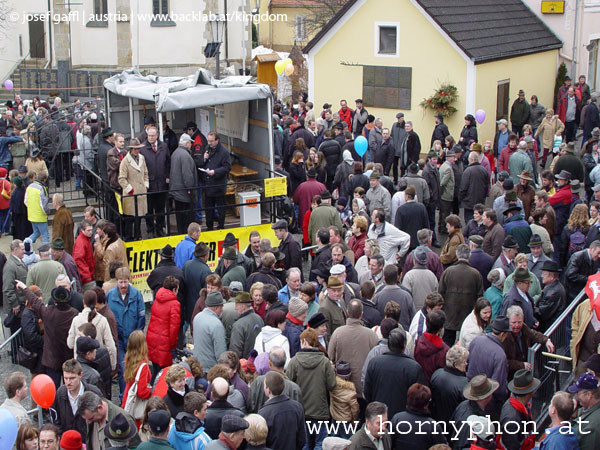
x=190, y=92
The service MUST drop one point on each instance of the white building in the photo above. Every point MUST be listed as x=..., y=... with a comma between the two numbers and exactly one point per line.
x=167, y=37
x=578, y=26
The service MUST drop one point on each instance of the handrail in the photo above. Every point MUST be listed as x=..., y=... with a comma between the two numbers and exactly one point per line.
x=11, y=337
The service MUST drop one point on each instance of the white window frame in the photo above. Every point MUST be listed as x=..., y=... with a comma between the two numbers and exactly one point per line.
x=376, y=39
x=302, y=19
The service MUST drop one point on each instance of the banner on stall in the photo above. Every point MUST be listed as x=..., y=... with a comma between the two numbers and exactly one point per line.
x=232, y=120
x=143, y=256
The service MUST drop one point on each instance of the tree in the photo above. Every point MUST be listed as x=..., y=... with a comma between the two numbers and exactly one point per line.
x=319, y=13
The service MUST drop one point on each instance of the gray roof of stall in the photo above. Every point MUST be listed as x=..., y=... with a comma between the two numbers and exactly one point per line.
x=193, y=91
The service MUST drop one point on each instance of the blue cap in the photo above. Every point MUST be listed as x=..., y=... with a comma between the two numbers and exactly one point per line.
x=586, y=381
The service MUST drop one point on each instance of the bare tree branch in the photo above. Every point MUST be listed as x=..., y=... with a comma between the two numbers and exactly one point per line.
x=319, y=13
x=5, y=22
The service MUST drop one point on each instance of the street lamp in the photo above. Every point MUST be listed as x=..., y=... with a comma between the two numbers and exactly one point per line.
x=212, y=50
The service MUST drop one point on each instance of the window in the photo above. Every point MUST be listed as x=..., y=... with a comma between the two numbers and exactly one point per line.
x=386, y=39
x=387, y=87
x=100, y=18
x=160, y=9
x=300, y=28
x=160, y=6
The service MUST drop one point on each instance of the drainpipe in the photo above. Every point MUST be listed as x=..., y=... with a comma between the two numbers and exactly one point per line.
x=575, y=30
x=50, y=34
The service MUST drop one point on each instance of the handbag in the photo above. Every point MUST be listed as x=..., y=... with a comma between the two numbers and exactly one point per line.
x=5, y=192
x=135, y=405
x=26, y=358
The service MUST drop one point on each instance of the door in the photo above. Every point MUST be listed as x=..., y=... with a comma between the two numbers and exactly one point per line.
x=502, y=100
x=37, y=41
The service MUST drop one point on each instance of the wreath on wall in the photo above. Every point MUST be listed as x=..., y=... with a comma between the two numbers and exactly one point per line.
x=441, y=100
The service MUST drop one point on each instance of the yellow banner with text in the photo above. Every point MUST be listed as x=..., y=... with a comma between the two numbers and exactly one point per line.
x=143, y=256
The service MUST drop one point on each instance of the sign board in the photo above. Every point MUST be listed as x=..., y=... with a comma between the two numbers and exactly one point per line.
x=232, y=120
x=143, y=256
x=275, y=186
x=553, y=7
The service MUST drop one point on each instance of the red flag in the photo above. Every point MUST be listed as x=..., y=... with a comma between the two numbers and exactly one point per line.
x=592, y=289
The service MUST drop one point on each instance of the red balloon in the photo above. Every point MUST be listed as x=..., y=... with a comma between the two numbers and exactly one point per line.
x=43, y=390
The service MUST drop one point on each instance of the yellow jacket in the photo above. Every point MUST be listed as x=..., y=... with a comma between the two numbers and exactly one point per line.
x=36, y=200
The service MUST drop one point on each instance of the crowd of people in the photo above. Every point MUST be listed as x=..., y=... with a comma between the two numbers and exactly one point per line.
x=397, y=327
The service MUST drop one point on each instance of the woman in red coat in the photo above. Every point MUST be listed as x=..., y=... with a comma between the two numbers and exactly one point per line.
x=136, y=359
x=163, y=330
x=359, y=236
x=83, y=254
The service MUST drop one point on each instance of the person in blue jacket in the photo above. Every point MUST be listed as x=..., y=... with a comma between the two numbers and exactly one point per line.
x=127, y=304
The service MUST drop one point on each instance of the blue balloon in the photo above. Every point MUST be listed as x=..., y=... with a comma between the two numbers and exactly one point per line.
x=8, y=429
x=361, y=145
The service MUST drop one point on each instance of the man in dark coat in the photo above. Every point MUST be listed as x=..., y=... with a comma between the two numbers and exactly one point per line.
x=183, y=181
x=246, y=327
x=519, y=113
x=322, y=255
x=265, y=274
x=519, y=296
x=570, y=162
x=106, y=143
x=158, y=161
x=284, y=416
x=169, y=136
x=218, y=408
x=376, y=420
x=440, y=131
x=553, y=299
x=413, y=145
x=198, y=147
x=392, y=292
x=300, y=132
x=461, y=285
x=390, y=375
x=447, y=384
x=474, y=186
x=349, y=145
x=431, y=174
x=479, y=259
x=288, y=245
x=385, y=152
x=217, y=165
x=358, y=178
x=65, y=419
x=399, y=137
x=411, y=216
x=581, y=265
x=333, y=155
x=195, y=272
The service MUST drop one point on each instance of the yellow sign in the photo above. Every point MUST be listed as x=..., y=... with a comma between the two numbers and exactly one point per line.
x=275, y=186
x=553, y=7
x=143, y=256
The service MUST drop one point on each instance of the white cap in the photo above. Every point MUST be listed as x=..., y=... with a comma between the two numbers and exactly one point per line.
x=184, y=139
x=481, y=427
x=337, y=269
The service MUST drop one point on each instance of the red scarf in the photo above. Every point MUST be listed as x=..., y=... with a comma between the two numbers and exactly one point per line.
x=294, y=320
x=529, y=442
x=261, y=309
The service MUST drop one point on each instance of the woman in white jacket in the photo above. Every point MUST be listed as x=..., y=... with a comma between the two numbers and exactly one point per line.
x=476, y=322
x=103, y=334
x=271, y=335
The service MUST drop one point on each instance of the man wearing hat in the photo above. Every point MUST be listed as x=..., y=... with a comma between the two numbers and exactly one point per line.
x=487, y=356
x=159, y=422
x=479, y=259
x=501, y=137
x=519, y=113
x=107, y=142
x=158, y=161
x=209, y=332
x=133, y=179
x=519, y=161
x=57, y=250
x=246, y=327
x=333, y=306
x=234, y=270
x=504, y=201
x=516, y=412
x=304, y=194
x=526, y=192
x=518, y=295
x=183, y=181
x=195, y=272
x=571, y=163
x=447, y=188
x=43, y=273
x=586, y=391
x=119, y=433
x=497, y=189
x=232, y=433
x=288, y=245
x=440, y=131
x=294, y=323
x=537, y=258
x=231, y=241
x=561, y=202
x=148, y=123
x=515, y=225
x=323, y=216
x=166, y=267
x=86, y=354
x=359, y=119
x=474, y=186
x=478, y=395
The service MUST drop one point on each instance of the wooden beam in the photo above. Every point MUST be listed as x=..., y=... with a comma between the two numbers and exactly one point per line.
x=257, y=123
x=249, y=154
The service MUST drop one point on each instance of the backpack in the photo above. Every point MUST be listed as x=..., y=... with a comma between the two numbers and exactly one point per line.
x=576, y=241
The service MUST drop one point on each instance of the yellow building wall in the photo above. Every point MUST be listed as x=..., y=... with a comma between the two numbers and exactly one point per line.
x=535, y=74
x=433, y=61
x=279, y=34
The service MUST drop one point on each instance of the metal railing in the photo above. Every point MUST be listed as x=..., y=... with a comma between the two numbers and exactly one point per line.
x=553, y=372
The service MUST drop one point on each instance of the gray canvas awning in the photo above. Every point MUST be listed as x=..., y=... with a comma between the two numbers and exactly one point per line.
x=190, y=92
